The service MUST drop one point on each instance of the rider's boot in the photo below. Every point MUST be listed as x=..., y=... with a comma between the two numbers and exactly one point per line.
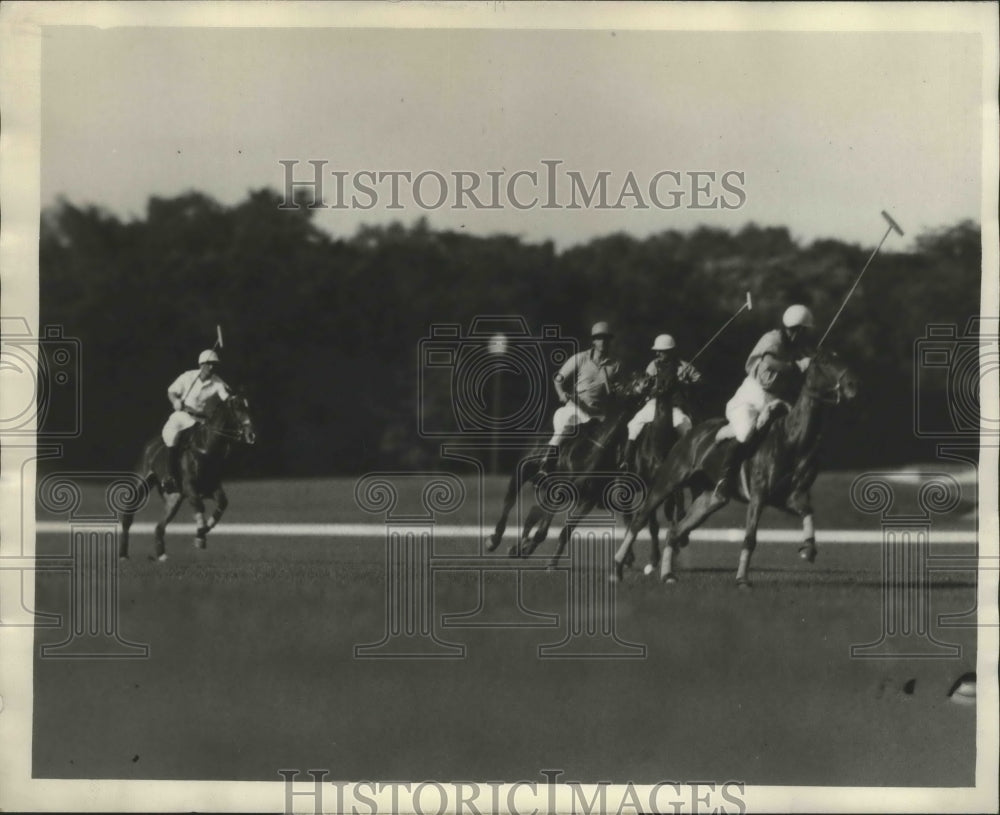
x=174, y=469
x=730, y=471
x=626, y=460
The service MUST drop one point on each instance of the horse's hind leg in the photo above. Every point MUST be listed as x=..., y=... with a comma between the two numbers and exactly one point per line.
x=172, y=502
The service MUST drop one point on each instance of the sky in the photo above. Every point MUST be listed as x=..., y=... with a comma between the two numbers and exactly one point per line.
x=825, y=129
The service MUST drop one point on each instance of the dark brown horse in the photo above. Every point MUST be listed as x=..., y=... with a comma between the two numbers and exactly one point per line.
x=779, y=472
x=654, y=443
x=205, y=448
x=585, y=476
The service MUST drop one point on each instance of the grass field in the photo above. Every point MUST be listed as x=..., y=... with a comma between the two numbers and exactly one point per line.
x=252, y=668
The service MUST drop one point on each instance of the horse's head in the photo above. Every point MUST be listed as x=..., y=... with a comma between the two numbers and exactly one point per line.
x=636, y=388
x=236, y=420
x=830, y=379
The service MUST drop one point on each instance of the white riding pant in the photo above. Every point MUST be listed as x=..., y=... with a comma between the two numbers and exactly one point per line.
x=565, y=419
x=745, y=408
x=178, y=421
x=647, y=413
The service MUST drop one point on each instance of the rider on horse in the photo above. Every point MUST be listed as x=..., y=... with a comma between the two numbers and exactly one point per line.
x=774, y=375
x=670, y=373
x=193, y=395
x=590, y=374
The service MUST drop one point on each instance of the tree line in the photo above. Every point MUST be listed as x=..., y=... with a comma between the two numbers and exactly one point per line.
x=323, y=332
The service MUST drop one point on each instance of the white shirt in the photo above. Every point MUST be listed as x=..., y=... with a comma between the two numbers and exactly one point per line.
x=199, y=396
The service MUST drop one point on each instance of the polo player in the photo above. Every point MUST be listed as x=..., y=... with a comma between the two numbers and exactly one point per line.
x=193, y=395
x=582, y=385
x=774, y=375
x=670, y=373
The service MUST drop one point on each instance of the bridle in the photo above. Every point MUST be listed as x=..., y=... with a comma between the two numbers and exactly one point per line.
x=832, y=395
x=237, y=434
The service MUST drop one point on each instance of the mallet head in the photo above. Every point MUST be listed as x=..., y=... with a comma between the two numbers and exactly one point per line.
x=892, y=223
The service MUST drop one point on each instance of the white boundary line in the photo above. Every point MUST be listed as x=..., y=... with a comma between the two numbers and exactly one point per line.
x=349, y=530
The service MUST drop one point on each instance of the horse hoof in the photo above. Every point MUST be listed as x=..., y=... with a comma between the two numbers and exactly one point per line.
x=552, y=566
x=123, y=557
x=629, y=559
x=743, y=584
x=494, y=543
x=200, y=543
x=808, y=553
x=514, y=550
x=648, y=569
x=669, y=579
x=158, y=558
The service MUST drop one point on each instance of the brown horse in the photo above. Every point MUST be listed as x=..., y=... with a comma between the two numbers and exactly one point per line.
x=205, y=448
x=585, y=476
x=779, y=472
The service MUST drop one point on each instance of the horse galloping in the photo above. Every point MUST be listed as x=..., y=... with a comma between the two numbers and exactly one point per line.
x=587, y=474
x=779, y=471
x=205, y=449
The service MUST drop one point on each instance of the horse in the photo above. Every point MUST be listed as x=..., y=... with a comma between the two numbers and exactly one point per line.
x=595, y=449
x=205, y=449
x=779, y=471
x=654, y=442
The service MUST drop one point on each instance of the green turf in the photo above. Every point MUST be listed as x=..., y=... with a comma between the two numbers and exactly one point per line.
x=252, y=670
x=333, y=501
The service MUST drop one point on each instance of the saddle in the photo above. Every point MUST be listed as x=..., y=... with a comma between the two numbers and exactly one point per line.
x=770, y=412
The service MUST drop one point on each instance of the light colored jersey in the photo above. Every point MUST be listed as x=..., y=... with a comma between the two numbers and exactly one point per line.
x=197, y=396
x=772, y=361
x=590, y=379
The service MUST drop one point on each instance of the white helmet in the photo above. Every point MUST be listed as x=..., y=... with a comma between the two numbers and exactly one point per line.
x=797, y=316
x=208, y=356
x=664, y=342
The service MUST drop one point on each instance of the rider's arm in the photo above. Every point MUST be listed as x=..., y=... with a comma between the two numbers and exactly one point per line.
x=175, y=393
x=568, y=371
x=686, y=372
x=764, y=363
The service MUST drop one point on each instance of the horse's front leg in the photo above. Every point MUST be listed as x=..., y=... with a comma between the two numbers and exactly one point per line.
x=754, y=510
x=199, y=520
x=655, y=556
x=221, y=502
x=800, y=504
x=573, y=519
x=513, y=488
x=171, y=503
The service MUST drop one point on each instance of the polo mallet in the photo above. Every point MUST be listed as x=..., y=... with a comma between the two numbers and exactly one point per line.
x=748, y=305
x=893, y=227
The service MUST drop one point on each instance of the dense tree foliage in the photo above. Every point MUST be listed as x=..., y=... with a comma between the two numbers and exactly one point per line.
x=323, y=332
